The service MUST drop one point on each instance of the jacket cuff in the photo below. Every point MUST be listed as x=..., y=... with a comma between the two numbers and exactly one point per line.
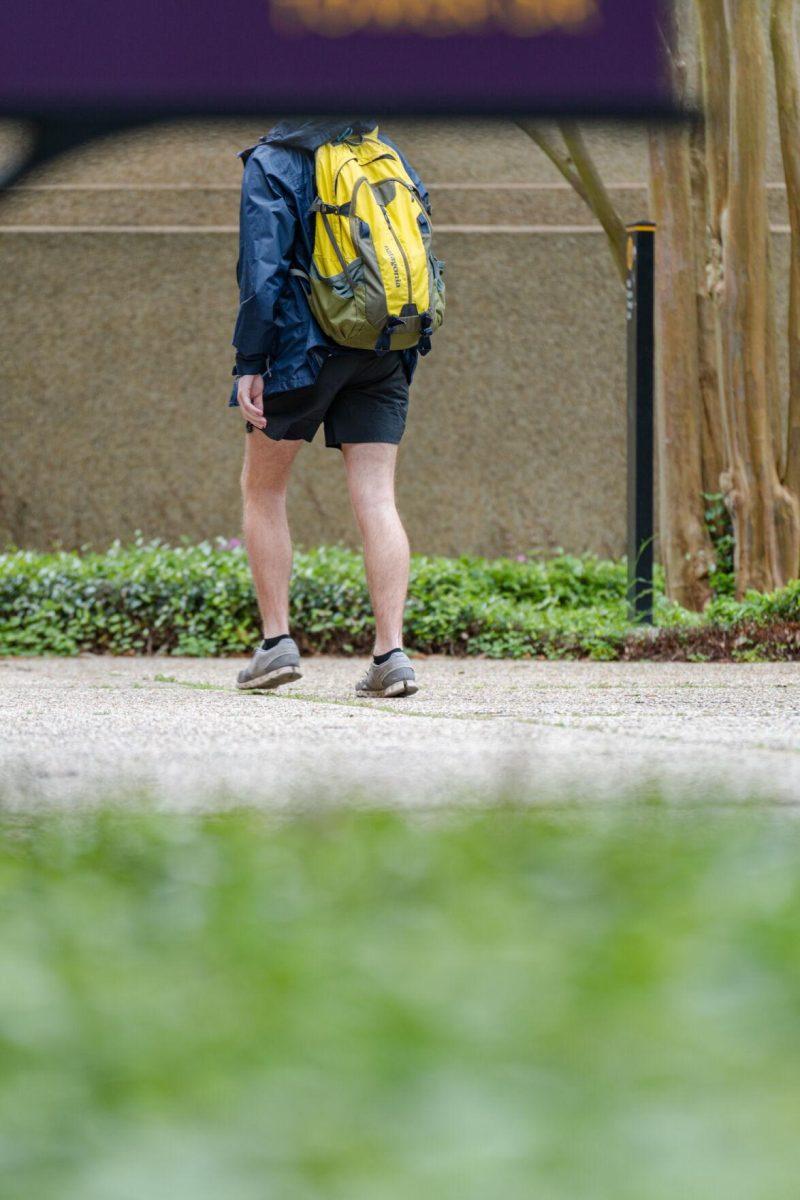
x=250, y=366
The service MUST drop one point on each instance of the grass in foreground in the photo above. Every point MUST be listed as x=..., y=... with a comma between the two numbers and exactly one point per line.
x=198, y=600
x=366, y=1007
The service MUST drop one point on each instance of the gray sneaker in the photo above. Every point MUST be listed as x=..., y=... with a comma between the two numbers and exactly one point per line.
x=271, y=668
x=395, y=677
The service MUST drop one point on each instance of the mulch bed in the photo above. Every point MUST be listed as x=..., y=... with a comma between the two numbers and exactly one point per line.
x=778, y=641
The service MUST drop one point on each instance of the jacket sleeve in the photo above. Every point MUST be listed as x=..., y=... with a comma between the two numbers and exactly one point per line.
x=415, y=179
x=267, y=229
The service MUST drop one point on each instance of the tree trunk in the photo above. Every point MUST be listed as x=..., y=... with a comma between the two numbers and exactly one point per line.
x=720, y=425
x=786, y=58
x=715, y=68
x=685, y=544
x=766, y=516
x=715, y=76
x=774, y=389
x=712, y=439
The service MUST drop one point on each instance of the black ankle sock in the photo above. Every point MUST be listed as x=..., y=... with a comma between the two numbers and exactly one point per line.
x=268, y=643
x=379, y=659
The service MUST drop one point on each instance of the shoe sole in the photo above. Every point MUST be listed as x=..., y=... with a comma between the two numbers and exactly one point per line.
x=404, y=687
x=271, y=679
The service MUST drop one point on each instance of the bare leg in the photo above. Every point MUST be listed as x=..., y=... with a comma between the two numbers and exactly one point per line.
x=265, y=478
x=370, y=470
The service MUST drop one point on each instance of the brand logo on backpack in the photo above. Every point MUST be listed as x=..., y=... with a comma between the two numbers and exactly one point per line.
x=388, y=252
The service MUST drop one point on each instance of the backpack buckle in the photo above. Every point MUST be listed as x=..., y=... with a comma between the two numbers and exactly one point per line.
x=319, y=206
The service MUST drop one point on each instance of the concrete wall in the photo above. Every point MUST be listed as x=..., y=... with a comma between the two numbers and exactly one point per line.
x=118, y=303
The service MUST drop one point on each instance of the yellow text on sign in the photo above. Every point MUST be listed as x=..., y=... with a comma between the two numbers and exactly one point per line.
x=524, y=17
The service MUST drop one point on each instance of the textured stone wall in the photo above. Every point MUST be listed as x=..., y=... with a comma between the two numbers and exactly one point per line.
x=117, y=271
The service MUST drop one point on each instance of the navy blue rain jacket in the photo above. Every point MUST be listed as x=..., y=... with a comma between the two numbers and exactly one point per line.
x=276, y=334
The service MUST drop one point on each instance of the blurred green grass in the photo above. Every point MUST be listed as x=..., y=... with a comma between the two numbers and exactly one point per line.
x=362, y=1006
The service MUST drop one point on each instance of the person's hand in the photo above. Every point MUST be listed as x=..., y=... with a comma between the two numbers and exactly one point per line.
x=250, y=395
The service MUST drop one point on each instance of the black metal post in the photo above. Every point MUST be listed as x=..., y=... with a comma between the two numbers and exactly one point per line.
x=641, y=412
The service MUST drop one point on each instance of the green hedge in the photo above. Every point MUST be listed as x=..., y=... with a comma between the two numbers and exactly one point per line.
x=198, y=600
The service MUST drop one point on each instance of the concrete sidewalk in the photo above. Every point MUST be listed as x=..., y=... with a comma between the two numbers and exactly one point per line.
x=74, y=730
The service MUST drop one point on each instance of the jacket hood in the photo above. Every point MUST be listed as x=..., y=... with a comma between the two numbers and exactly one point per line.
x=315, y=131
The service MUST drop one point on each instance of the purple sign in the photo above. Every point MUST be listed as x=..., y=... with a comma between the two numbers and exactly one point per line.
x=399, y=56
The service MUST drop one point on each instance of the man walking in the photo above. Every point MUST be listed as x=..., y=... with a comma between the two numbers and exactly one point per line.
x=339, y=294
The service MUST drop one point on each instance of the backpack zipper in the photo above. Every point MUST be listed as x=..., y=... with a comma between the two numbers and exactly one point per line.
x=352, y=158
x=387, y=218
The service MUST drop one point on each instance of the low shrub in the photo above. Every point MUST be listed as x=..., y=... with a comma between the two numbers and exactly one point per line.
x=151, y=598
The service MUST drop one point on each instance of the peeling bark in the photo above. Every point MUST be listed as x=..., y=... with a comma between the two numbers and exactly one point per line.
x=786, y=56
x=774, y=389
x=715, y=69
x=685, y=545
x=766, y=515
x=712, y=440
x=715, y=77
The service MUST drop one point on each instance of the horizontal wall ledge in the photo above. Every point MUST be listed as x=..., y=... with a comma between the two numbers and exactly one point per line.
x=234, y=229
x=445, y=186
x=228, y=230
x=216, y=208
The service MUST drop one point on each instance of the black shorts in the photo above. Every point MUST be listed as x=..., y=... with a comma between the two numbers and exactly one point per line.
x=360, y=396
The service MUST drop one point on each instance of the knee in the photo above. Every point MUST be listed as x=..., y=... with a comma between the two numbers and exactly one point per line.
x=371, y=507
x=259, y=488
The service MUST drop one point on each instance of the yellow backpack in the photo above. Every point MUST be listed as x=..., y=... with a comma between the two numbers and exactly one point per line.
x=375, y=282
